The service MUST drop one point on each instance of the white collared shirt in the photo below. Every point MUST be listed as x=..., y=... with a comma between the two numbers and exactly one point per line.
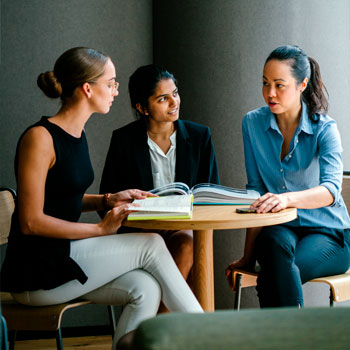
x=163, y=165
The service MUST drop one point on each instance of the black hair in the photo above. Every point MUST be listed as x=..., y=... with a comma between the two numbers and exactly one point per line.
x=315, y=95
x=143, y=83
x=72, y=69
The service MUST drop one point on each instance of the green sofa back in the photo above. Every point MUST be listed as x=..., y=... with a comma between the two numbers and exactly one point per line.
x=285, y=328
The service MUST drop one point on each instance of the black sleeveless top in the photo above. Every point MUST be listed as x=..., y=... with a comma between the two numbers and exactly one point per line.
x=34, y=262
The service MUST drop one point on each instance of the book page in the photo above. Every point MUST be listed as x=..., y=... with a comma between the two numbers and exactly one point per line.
x=216, y=194
x=173, y=204
x=173, y=188
x=217, y=189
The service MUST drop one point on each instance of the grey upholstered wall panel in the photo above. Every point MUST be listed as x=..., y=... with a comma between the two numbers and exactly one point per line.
x=33, y=34
x=217, y=50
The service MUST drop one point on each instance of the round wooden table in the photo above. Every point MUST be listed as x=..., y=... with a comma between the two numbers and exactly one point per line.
x=205, y=219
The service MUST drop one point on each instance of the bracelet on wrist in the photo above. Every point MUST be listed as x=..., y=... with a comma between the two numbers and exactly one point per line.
x=105, y=200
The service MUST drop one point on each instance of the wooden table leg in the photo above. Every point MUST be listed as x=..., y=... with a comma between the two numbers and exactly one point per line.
x=203, y=268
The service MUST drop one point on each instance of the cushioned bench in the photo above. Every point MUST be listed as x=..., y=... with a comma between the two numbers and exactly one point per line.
x=287, y=328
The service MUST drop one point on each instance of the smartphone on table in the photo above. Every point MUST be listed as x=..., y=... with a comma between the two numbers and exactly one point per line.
x=245, y=210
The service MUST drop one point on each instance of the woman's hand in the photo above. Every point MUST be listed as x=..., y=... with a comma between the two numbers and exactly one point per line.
x=127, y=196
x=242, y=263
x=113, y=219
x=270, y=202
x=119, y=202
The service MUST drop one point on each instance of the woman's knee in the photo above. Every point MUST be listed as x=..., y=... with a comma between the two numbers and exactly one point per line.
x=181, y=243
x=155, y=240
x=155, y=245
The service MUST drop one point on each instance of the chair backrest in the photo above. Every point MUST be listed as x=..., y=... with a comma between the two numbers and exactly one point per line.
x=7, y=207
x=346, y=190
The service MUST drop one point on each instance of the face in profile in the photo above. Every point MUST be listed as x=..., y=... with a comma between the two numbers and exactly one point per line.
x=164, y=104
x=280, y=89
x=105, y=89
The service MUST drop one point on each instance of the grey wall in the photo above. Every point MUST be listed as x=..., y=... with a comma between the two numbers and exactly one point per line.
x=217, y=50
x=33, y=34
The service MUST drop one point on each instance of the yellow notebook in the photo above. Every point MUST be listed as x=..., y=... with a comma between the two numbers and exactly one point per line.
x=167, y=207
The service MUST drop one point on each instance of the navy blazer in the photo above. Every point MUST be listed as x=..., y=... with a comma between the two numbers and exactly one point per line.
x=128, y=162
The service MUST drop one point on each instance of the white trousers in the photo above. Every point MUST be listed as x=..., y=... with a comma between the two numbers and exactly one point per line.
x=135, y=270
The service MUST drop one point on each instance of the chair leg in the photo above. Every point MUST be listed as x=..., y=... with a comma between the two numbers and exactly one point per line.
x=238, y=289
x=331, y=299
x=59, y=342
x=112, y=320
x=12, y=339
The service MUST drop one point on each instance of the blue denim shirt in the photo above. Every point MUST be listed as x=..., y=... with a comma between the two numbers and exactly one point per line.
x=314, y=159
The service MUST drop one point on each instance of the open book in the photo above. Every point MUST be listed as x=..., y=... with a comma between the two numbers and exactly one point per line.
x=167, y=207
x=206, y=193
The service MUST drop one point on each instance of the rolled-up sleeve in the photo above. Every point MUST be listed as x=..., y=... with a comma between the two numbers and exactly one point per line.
x=330, y=159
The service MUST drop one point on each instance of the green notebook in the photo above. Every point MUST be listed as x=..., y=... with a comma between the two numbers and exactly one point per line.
x=166, y=207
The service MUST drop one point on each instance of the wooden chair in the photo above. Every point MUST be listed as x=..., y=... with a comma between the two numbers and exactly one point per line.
x=339, y=284
x=31, y=318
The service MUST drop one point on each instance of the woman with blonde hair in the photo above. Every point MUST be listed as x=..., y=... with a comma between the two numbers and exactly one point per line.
x=51, y=257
